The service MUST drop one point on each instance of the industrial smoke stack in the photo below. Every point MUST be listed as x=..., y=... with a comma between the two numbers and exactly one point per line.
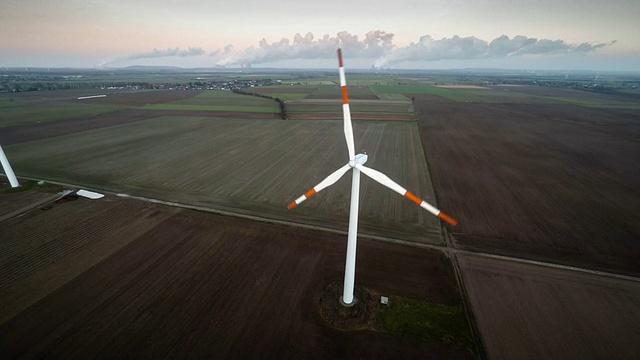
x=7, y=169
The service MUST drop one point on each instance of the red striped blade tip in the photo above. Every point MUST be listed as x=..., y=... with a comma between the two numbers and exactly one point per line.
x=413, y=198
x=446, y=218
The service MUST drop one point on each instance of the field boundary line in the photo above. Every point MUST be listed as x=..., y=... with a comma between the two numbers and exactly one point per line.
x=275, y=221
x=374, y=92
x=547, y=264
x=441, y=248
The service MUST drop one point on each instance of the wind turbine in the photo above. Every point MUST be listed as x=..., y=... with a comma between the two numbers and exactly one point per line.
x=356, y=163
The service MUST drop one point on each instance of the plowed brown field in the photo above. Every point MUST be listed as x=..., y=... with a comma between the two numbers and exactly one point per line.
x=525, y=311
x=121, y=278
x=551, y=182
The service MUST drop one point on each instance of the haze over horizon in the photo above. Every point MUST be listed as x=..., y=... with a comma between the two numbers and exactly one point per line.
x=430, y=34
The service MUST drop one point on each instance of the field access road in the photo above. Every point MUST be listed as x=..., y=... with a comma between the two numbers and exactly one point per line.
x=445, y=249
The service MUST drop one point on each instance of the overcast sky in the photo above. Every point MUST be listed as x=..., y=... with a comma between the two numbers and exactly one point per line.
x=543, y=34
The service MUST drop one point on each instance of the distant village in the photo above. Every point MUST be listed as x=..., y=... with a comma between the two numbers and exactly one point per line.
x=13, y=81
x=24, y=83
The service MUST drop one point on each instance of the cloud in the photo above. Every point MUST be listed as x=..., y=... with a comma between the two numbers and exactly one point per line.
x=379, y=45
x=472, y=48
x=587, y=47
x=375, y=44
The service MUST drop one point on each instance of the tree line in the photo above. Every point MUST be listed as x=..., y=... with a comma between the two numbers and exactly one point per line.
x=283, y=109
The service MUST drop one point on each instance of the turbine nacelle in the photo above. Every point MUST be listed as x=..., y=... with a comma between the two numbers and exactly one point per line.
x=360, y=159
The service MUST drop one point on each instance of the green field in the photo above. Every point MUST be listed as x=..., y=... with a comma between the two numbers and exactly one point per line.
x=238, y=108
x=366, y=106
x=499, y=95
x=334, y=92
x=355, y=79
x=219, y=101
x=471, y=95
x=248, y=166
x=225, y=98
x=360, y=109
x=5, y=103
x=287, y=96
x=398, y=97
x=285, y=92
x=431, y=322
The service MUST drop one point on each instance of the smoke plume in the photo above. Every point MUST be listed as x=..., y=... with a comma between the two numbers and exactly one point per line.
x=155, y=53
x=376, y=46
x=379, y=45
x=458, y=48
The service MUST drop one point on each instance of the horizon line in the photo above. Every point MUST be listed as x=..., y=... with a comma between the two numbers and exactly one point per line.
x=250, y=68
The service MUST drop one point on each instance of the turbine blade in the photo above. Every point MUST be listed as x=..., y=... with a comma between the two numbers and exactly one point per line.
x=386, y=181
x=346, y=112
x=328, y=181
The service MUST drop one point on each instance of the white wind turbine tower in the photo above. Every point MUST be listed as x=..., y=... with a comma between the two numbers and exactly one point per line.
x=356, y=163
x=8, y=170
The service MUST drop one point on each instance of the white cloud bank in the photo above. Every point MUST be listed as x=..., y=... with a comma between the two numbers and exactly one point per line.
x=378, y=46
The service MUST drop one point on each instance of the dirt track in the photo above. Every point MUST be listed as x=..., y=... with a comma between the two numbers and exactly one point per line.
x=145, y=281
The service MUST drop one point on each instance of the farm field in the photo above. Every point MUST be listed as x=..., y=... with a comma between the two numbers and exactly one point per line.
x=538, y=173
x=552, y=182
x=526, y=311
x=14, y=201
x=33, y=108
x=222, y=98
x=115, y=277
x=452, y=94
x=285, y=92
x=356, y=92
x=253, y=167
x=34, y=115
x=577, y=97
x=372, y=110
x=509, y=94
x=27, y=114
x=114, y=97
x=325, y=103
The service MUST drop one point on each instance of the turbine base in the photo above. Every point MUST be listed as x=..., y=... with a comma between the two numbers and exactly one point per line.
x=354, y=302
x=358, y=315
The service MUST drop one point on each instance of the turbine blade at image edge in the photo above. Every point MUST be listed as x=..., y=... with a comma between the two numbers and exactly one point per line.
x=328, y=181
x=346, y=112
x=386, y=181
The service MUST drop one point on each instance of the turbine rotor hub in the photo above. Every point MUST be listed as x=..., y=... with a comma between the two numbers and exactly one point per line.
x=359, y=159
